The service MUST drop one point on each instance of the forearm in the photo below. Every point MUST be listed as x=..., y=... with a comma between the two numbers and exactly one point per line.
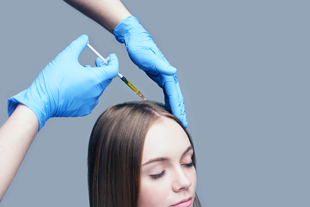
x=108, y=13
x=16, y=136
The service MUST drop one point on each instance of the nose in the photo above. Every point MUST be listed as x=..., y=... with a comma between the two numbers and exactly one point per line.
x=180, y=181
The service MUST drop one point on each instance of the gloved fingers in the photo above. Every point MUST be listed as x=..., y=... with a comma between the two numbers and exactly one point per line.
x=150, y=60
x=109, y=71
x=171, y=96
x=181, y=106
x=174, y=98
x=161, y=63
x=164, y=67
x=77, y=46
x=99, y=62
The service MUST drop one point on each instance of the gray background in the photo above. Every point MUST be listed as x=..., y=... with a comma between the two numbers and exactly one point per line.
x=243, y=67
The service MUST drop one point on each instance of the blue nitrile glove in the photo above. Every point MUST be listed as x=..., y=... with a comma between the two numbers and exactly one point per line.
x=145, y=54
x=64, y=88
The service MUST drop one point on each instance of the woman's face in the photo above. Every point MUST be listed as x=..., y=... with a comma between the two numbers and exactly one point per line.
x=168, y=177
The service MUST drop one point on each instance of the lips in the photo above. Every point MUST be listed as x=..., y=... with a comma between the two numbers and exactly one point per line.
x=184, y=203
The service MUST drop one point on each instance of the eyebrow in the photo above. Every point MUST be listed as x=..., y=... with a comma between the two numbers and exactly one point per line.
x=159, y=159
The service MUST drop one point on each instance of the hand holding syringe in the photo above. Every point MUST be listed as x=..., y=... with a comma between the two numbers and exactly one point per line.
x=119, y=74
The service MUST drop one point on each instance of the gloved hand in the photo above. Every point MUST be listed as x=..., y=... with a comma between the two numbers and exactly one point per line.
x=145, y=54
x=64, y=88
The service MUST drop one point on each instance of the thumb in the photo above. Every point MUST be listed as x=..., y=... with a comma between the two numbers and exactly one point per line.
x=100, y=62
x=77, y=46
x=110, y=70
x=164, y=67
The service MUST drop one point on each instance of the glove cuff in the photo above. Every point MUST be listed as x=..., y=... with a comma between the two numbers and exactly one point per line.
x=124, y=28
x=23, y=98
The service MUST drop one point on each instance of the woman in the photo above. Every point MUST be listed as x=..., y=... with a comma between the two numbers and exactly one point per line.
x=64, y=88
x=141, y=155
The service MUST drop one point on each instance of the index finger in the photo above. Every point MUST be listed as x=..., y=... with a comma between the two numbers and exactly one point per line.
x=175, y=99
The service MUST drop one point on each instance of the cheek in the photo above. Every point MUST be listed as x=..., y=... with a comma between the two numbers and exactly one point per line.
x=153, y=193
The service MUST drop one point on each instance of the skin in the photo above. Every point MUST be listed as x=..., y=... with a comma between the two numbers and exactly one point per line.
x=16, y=136
x=108, y=13
x=172, y=178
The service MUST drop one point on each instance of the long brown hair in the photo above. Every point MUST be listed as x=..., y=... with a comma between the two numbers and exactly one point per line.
x=115, y=152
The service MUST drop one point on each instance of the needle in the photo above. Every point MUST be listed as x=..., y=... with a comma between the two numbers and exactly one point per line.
x=119, y=74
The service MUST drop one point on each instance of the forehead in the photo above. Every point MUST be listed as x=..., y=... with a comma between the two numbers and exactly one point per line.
x=165, y=138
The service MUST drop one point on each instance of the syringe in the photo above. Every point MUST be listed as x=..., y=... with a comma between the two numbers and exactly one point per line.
x=119, y=75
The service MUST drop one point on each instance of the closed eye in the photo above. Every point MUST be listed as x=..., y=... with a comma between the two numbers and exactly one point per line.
x=189, y=164
x=158, y=175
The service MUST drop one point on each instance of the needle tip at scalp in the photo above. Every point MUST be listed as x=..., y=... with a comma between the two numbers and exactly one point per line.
x=140, y=94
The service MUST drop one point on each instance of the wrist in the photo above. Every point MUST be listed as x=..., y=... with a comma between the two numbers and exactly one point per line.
x=35, y=103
